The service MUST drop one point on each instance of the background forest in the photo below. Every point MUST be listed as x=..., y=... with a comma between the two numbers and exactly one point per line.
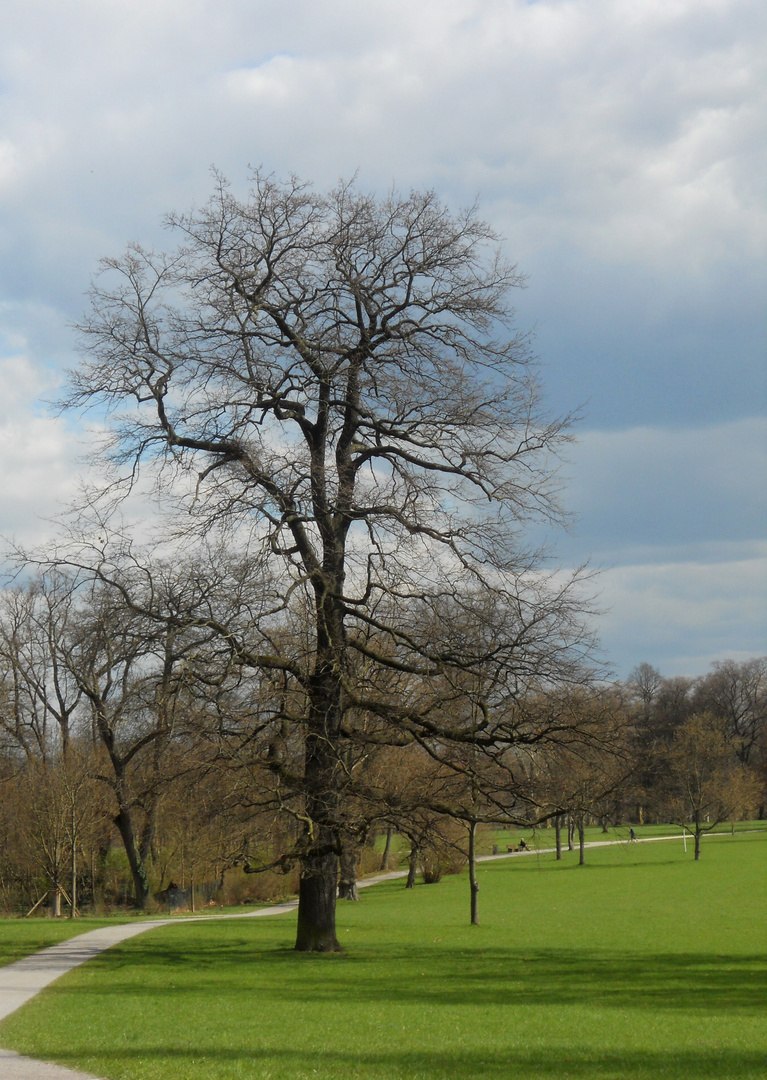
x=135, y=765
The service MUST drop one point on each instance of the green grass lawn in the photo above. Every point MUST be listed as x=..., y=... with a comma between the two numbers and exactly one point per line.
x=642, y=964
x=20, y=937
x=546, y=838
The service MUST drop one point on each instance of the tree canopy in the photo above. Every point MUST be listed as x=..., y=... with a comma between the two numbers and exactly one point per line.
x=333, y=386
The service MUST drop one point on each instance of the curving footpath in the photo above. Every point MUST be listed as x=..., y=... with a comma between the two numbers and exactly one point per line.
x=20, y=981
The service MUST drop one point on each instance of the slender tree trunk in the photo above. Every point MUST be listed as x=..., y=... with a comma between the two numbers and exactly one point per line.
x=581, y=841
x=124, y=823
x=412, y=869
x=558, y=834
x=473, y=883
x=146, y=846
x=124, y=818
x=56, y=902
x=570, y=833
x=698, y=834
x=386, y=850
x=73, y=872
x=347, y=886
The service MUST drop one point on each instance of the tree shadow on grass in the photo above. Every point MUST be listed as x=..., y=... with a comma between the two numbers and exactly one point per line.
x=428, y=975
x=521, y=1064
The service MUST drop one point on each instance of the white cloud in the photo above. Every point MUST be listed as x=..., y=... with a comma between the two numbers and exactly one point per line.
x=632, y=129
x=680, y=617
x=37, y=453
x=677, y=519
x=618, y=144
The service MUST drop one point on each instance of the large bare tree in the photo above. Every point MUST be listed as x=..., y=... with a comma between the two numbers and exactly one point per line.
x=341, y=376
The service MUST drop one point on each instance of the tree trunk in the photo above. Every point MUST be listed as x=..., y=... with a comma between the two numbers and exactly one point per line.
x=124, y=818
x=347, y=886
x=146, y=847
x=316, y=930
x=570, y=833
x=473, y=883
x=698, y=834
x=558, y=834
x=386, y=850
x=581, y=842
x=56, y=902
x=73, y=880
x=412, y=869
x=124, y=823
x=318, y=885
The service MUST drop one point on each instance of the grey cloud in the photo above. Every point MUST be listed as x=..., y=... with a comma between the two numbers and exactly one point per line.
x=657, y=487
x=618, y=145
x=681, y=617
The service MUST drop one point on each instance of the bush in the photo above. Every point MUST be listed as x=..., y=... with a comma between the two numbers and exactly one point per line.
x=266, y=887
x=442, y=853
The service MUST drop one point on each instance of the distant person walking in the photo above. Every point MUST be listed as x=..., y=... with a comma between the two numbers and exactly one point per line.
x=632, y=835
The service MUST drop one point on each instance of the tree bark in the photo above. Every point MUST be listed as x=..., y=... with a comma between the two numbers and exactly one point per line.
x=412, y=869
x=386, y=850
x=558, y=834
x=318, y=886
x=581, y=842
x=347, y=886
x=73, y=872
x=124, y=818
x=316, y=930
x=124, y=823
x=473, y=883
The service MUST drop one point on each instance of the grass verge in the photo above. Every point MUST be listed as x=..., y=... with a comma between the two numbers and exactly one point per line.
x=642, y=965
x=20, y=937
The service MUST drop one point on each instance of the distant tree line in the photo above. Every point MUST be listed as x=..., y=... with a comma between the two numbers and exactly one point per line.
x=138, y=762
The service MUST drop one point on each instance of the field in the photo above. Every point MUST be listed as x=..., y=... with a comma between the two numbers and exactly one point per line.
x=642, y=964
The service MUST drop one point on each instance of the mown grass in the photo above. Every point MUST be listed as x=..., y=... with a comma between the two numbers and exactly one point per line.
x=20, y=937
x=545, y=838
x=642, y=965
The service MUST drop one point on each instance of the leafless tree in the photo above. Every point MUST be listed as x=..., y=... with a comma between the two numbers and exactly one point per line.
x=340, y=376
x=706, y=782
x=42, y=697
x=737, y=692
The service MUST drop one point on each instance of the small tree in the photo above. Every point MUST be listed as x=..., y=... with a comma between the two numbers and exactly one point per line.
x=706, y=782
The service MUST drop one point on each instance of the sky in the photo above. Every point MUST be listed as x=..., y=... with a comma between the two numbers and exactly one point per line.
x=617, y=145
